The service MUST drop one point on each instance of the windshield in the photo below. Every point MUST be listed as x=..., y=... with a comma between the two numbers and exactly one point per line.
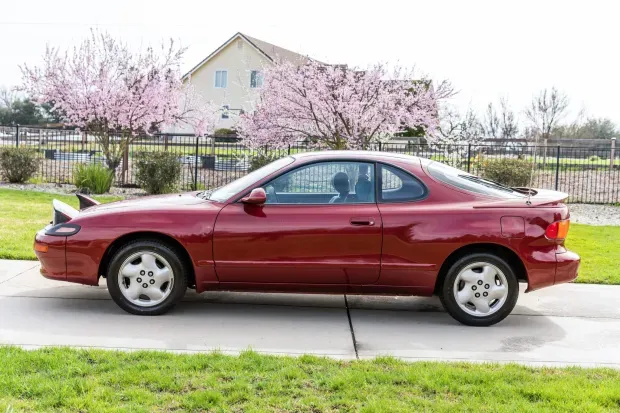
x=223, y=193
x=472, y=183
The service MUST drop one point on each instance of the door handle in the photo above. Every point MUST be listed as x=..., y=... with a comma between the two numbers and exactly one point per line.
x=358, y=221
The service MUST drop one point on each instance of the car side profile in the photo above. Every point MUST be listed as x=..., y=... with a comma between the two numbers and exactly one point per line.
x=351, y=222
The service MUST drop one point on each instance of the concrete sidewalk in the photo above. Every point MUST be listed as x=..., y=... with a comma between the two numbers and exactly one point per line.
x=569, y=324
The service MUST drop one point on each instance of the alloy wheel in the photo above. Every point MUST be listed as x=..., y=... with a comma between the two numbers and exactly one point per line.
x=480, y=289
x=145, y=278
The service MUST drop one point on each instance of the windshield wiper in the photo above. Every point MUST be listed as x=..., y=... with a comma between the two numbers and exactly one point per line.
x=204, y=194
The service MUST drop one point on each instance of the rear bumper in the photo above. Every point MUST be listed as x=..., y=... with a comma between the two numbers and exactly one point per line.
x=567, y=266
x=554, y=266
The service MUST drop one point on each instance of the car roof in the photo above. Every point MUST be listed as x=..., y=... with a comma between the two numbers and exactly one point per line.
x=369, y=155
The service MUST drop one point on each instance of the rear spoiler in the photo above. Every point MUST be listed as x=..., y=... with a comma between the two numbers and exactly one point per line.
x=86, y=201
x=62, y=212
x=539, y=198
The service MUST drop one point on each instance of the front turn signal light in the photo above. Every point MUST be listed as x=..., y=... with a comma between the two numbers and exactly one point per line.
x=40, y=247
x=558, y=230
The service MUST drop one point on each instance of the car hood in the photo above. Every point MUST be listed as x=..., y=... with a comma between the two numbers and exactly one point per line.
x=147, y=203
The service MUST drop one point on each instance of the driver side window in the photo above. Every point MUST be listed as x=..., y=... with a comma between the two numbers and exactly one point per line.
x=324, y=183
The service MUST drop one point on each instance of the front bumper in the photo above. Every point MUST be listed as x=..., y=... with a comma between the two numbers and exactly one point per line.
x=53, y=261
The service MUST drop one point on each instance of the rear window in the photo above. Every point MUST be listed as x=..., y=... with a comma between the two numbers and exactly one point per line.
x=471, y=183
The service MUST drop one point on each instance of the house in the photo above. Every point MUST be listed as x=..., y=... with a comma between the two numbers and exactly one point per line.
x=232, y=75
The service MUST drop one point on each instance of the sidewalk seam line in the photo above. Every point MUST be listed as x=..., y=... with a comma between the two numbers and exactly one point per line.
x=17, y=275
x=346, y=304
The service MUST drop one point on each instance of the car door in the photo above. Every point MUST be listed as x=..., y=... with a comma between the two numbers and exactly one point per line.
x=409, y=242
x=307, y=232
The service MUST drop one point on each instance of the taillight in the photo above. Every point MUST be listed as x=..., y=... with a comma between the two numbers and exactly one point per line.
x=558, y=230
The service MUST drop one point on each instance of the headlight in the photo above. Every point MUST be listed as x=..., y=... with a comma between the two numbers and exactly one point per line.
x=63, y=230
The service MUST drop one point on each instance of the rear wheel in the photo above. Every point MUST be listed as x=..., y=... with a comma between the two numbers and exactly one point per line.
x=480, y=290
x=146, y=278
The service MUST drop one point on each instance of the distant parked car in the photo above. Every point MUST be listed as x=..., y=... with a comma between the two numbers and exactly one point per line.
x=330, y=222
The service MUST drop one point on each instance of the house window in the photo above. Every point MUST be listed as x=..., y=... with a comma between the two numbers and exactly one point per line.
x=256, y=79
x=221, y=78
x=225, y=109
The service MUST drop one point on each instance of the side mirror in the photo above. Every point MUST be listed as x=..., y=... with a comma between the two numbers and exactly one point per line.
x=256, y=197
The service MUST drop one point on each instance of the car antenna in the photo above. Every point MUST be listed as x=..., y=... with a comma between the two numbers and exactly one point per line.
x=529, y=187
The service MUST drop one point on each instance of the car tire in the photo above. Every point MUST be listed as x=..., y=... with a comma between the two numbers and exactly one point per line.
x=147, y=277
x=480, y=290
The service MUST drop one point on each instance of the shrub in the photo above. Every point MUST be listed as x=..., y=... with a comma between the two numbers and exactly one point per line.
x=17, y=165
x=594, y=158
x=224, y=131
x=158, y=172
x=261, y=159
x=94, y=177
x=508, y=171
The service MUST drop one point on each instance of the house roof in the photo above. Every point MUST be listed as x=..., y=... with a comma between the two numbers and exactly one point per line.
x=272, y=52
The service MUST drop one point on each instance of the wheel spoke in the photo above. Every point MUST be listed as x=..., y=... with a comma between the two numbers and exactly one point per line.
x=470, y=276
x=497, y=292
x=464, y=296
x=488, y=274
x=148, y=262
x=482, y=305
x=154, y=293
x=133, y=291
x=162, y=275
x=131, y=270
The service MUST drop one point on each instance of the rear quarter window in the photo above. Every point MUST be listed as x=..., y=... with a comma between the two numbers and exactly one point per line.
x=462, y=180
x=399, y=186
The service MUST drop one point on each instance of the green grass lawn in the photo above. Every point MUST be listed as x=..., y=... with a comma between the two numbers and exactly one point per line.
x=23, y=213
x=599, y=248
x=99, y=381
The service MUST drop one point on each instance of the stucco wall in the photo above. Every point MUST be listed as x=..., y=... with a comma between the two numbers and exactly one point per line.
x=239, y=61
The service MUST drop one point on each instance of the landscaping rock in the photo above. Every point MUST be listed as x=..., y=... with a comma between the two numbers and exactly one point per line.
x=592, y=214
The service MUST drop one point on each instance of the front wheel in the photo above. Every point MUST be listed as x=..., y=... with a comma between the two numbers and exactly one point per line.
x=480, y=290
x=146, y=278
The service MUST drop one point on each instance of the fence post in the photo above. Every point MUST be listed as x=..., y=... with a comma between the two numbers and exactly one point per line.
x=289, y=148
x=557, y=168
x=17, y=136
x=612, y=155
x=468, y=157
x=544, y=153
x=379, y=146
x=125, y=168
x=196, y=166
x=166, y=143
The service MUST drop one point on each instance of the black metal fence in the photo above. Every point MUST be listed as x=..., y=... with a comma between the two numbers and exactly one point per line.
x=588, y=173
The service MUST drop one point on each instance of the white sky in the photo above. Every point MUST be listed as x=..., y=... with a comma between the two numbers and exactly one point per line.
x=486, y=48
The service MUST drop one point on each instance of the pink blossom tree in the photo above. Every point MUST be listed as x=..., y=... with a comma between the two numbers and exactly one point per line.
x=118, y=94
x=337, y=107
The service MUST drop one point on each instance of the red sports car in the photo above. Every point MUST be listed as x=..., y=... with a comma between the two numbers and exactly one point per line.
x=326, y=222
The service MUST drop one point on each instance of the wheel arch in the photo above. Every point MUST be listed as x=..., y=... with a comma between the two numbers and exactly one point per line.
x=501, y=251
x=148, y=235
